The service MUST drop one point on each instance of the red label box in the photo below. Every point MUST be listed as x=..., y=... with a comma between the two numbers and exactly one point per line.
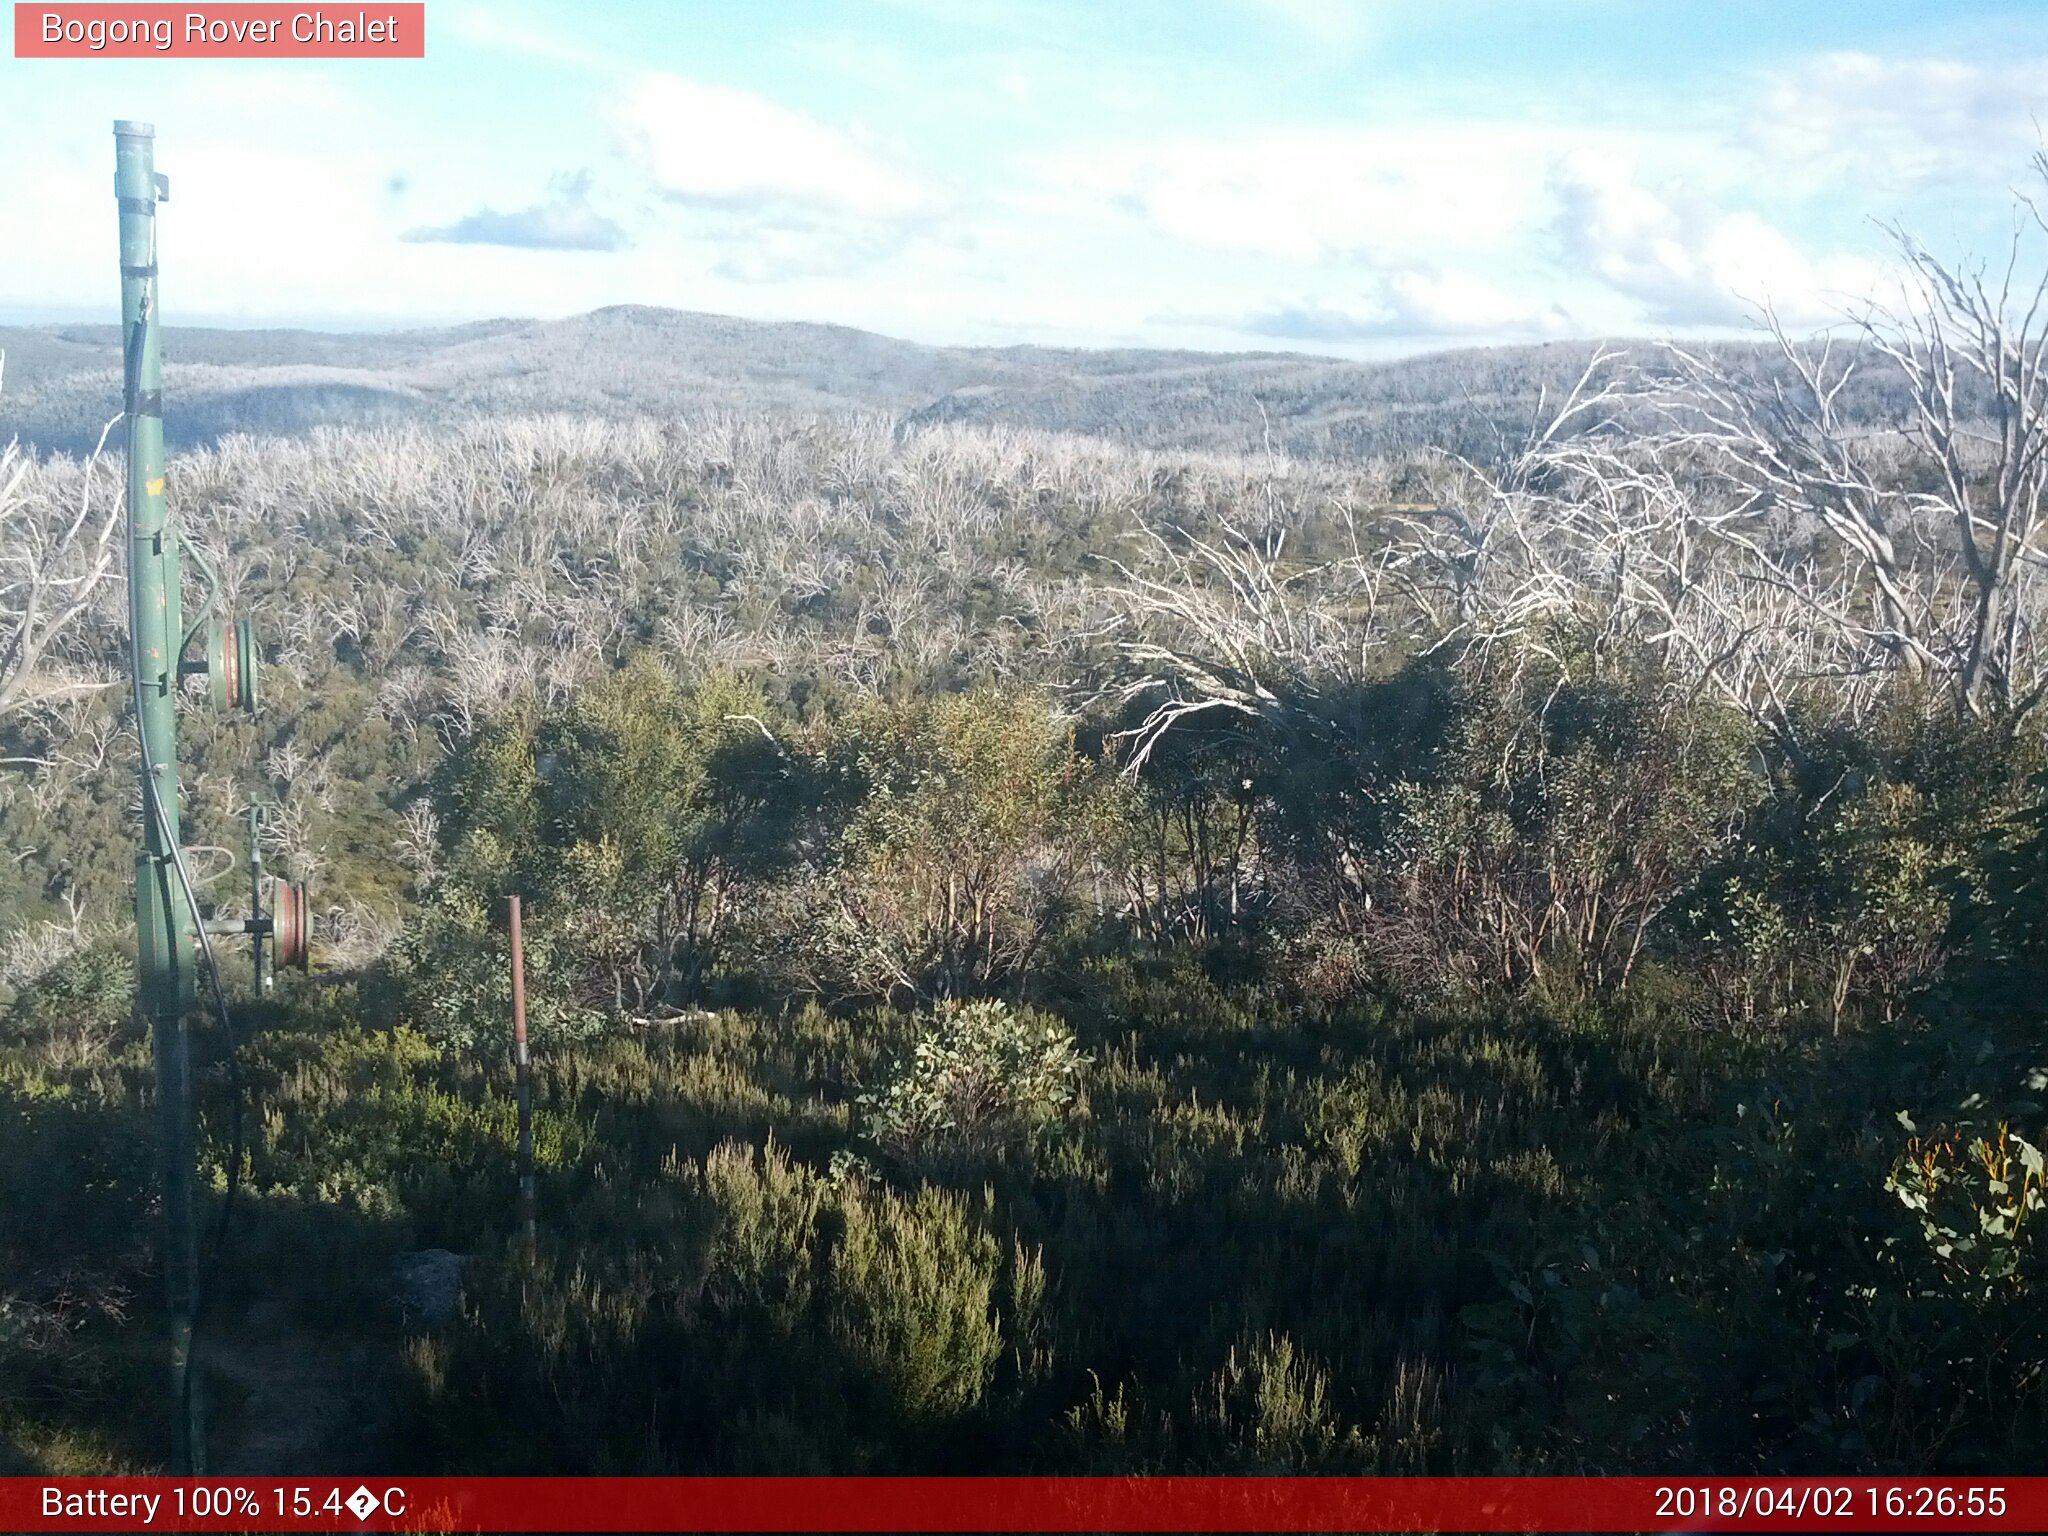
x=242, y=31
x=1024, y=1504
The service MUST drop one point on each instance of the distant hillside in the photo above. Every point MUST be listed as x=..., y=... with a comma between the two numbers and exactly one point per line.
x=62, y=382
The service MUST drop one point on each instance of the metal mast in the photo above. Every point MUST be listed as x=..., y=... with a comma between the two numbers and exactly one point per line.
x=172, y=935
x=166, y=974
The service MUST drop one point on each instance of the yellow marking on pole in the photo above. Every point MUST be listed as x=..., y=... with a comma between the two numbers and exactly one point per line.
x=156, y=486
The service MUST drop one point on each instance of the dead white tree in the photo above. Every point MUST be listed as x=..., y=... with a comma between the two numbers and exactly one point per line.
x=1929, y=536
x=1501, y=549
x=52, y=563
x=1226, y=624
x=1733, y=516
x=1598, y=543
x=417, y=842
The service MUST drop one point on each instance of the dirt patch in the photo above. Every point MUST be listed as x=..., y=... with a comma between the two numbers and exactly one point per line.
x=286, y=1400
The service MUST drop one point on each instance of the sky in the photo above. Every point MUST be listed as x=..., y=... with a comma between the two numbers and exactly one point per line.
x=1355, y=177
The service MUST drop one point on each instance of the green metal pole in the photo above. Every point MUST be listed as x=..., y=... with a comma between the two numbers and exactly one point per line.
x=164, y=938
x=256, y=891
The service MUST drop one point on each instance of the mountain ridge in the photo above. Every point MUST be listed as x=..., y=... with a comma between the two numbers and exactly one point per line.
x=62, y=382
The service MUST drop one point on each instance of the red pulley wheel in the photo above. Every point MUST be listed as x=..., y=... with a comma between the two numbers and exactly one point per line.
x=290, y=925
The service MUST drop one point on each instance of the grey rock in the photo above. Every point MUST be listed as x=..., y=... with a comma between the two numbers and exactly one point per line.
x=428, y=1286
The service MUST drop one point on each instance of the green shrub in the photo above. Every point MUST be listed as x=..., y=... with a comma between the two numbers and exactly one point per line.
x=1976, y=1197
x=971, y=818
x=1858, y=873
x=449, y=976
x=982, y=1075
x=1478, y=829
x=77, y=1009
x=912, y=1282
x=666, y=804
x=1267, y=1410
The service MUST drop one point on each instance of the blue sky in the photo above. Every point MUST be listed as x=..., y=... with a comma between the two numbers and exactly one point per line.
x=1363, y=177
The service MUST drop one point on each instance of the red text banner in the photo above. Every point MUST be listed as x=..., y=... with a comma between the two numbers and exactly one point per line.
x=1000, y=1504
x=240, y=31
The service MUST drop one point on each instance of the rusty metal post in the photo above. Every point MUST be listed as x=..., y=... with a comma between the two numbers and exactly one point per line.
x=525, y=1074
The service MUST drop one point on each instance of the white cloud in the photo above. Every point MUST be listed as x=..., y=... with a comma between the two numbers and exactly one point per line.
x=1886, y=126
x=1028, y=188
x=1495, y=227
x=565, y=221
x=702, y=143
x=1314, y=194
x=777, y=194
x=1689, y=260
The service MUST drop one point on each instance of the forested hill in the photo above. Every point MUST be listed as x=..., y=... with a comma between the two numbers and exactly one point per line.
x=61, y=382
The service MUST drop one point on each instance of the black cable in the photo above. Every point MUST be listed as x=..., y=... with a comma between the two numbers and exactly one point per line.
x=203, y=1286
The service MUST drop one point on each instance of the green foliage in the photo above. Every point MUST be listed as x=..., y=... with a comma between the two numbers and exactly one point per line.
x=2001, y=928
x=631, y=821
x=1183, y=834
x=1973, y=1196
x=1565, y=842
x=911, y=1284
x=1283, y=1238
x=980, y=1076
x=372, y=1124
x=1854, y=873
x=971, y=817
x=494, y=795
x=664, y=805
x=450, y=977
x=1270, y=1412
x=77, y=1166
x=772, y=1321
x=1475, y=830
x=79, y=1007
x=1600, y=1358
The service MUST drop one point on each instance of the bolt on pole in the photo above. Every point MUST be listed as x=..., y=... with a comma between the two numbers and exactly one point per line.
x=524, y=1069
x=164, y=937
